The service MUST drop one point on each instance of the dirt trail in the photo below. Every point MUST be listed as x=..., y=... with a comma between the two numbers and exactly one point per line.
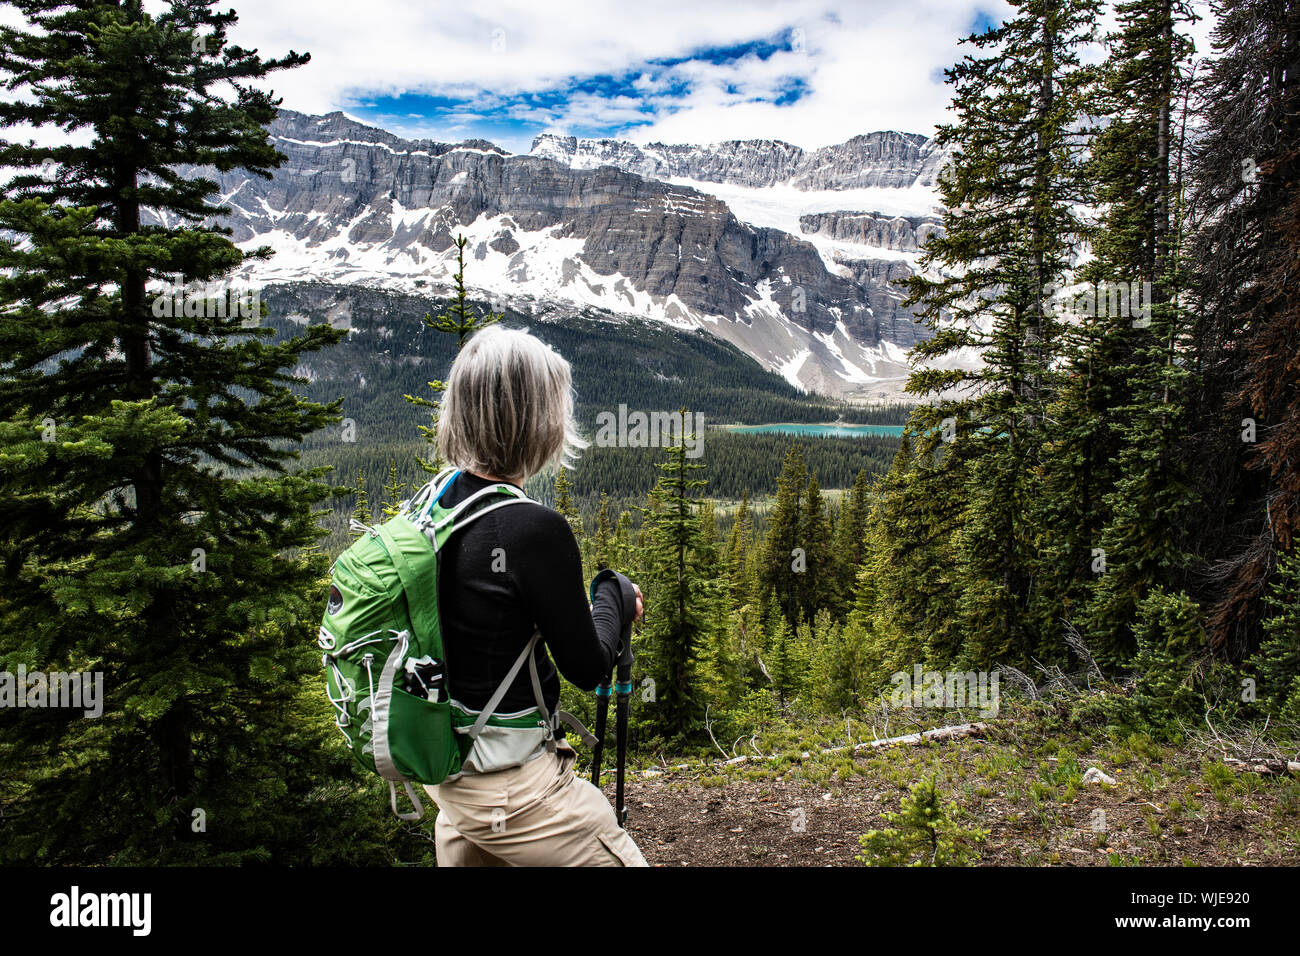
x=716, y=818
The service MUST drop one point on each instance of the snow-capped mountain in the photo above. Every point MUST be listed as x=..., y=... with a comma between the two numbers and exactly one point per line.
x=785, y=253
x=892, y=160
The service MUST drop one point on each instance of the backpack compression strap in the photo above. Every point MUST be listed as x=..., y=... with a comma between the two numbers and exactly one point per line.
x=457, y=522
x=552, y=722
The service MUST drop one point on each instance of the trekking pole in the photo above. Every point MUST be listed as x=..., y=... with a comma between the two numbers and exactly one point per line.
x=623, y=687
x=603, y=690
x=602, y=717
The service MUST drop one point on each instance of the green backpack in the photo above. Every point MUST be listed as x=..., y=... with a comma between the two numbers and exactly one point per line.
x=384, y=669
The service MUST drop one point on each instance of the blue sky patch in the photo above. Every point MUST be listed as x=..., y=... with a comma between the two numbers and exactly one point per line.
x=636, y=97
x=983, y=22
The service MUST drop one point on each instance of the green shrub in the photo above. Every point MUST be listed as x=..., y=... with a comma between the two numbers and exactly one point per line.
x=1276, y=665
x=925, y=832
x=1167, y=669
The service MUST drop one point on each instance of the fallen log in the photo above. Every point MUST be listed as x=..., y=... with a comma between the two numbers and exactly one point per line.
x=952, y=732
x=1262, y=765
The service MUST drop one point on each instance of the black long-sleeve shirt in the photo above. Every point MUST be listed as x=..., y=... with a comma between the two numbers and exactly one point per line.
x=488, y=615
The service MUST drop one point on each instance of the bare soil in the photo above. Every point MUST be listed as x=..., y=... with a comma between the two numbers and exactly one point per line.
x=1168, y=807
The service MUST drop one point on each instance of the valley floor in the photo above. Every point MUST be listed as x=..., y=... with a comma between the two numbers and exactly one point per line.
x=1019, y=781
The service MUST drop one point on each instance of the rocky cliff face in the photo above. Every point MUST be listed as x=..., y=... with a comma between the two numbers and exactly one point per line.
x=891, y=160
x=357, y=205
x=900, y=233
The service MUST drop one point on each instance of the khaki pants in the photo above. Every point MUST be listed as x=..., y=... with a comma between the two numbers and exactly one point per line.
x=538, y=814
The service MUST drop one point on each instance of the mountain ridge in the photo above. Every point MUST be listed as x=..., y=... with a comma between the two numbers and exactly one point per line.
x=886, y=158
x=355, y=204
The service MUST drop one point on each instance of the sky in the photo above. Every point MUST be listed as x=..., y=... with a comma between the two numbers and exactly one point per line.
x=810, y=72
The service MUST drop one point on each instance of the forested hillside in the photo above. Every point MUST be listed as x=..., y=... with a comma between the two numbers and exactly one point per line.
x=390, y=351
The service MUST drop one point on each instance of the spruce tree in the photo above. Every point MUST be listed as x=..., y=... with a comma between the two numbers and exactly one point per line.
x=908, y=590
x=843, y=668
x=1130, y=494
x=564, y=501
x=1276, y=665
x=1245, y=421
x=394, y=491
x=738, y=558
x=361, y=512
x=678, y=614
x=1011, y=194
x=784, y=553
x=152, y=528
x=720, y=657
x=817, y=583
x=788, y=655
x=625, y=551
x=850, y=540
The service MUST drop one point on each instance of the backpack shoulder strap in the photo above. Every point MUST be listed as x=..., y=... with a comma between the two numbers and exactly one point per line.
x=420, y=612
x=438, y=531
x=550, y=720
x=427, y=496
x=499, y=694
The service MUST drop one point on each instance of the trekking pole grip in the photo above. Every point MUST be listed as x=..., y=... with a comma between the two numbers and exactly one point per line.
x=627, y=615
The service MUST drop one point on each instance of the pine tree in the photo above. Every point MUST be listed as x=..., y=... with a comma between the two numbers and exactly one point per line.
x=784, y=552
x=1246, y=338
x=1011, y=193
x=678, y=613
x=151, y=529
x=459, y=320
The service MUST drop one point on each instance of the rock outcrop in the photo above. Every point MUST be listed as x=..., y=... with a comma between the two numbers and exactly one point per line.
x=900, y=233
x=889, y=159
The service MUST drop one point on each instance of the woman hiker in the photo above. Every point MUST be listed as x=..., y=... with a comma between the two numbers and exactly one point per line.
x=507, y=413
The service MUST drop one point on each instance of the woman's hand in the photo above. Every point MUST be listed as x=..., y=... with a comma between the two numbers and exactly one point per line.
x=640, y=602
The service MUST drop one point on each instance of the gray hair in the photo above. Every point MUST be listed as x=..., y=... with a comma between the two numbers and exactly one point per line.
x=507, y=410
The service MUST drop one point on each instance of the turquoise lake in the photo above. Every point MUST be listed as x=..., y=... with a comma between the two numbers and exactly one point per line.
x=821, y=431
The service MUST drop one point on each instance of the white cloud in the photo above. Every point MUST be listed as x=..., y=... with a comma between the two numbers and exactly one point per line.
x=864, y=64
x=869, y=64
